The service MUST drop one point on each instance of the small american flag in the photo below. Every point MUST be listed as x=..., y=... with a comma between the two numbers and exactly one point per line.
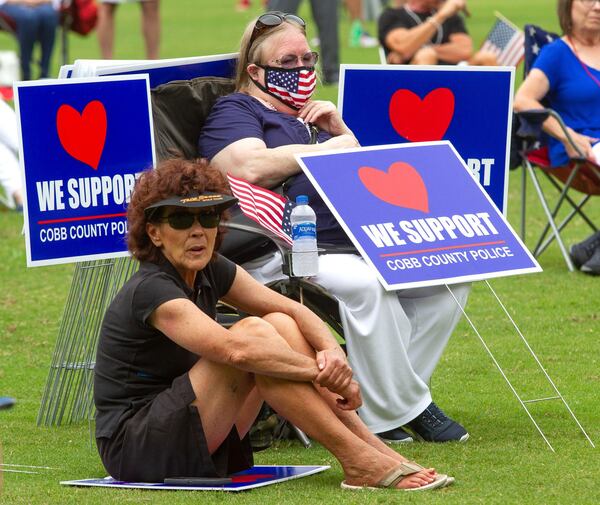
x=292, y=87
x=270, y=210
x=506, y=41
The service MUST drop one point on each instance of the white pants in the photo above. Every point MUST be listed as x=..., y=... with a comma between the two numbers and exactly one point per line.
x=394, y=339
x=10, y=173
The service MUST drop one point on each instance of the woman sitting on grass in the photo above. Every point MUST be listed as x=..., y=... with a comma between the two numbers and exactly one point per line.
x=176, y=393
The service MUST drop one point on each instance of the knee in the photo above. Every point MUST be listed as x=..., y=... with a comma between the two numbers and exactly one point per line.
x=279, y=321
x=255, y=326
x=107, y=11
x=425, y=56
x=275, y=325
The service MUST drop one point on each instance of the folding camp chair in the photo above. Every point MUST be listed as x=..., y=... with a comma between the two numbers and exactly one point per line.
x=580, y=175
x=179, y=110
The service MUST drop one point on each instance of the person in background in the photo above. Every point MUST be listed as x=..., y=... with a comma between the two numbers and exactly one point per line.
x=359, y=37
x=176, y=393
x=394, y=339
x=567, y=74
x=150, y=26
x=428, y=32
x=36, y=22
x=326, y=16
x=10, y=173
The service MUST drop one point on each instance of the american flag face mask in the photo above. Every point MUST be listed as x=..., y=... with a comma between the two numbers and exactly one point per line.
x=292, y=86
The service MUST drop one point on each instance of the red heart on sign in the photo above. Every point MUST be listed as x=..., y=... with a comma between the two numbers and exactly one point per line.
x=83, y=135
x=422, y=120
x=401, y=185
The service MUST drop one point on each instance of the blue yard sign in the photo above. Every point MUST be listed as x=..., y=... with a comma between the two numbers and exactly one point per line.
x=469, y=106
x=83, y=143
x=163, y=71
x=416, y=214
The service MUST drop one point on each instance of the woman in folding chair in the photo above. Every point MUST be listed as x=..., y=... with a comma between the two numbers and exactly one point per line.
x=176, y=393
x=394, y=339
x=567, y=74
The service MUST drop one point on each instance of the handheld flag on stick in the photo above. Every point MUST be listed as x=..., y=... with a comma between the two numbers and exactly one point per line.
x=270, y=210
x=506, y=41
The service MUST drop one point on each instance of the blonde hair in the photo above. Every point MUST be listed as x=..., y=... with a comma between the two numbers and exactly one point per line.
x=253, y=54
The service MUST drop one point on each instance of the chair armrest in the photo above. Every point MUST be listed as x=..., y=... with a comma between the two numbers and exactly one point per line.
x=530, y=127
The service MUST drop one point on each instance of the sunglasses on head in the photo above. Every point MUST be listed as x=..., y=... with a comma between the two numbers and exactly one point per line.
x=185, y=220
x=306, y=60
x=270, y=20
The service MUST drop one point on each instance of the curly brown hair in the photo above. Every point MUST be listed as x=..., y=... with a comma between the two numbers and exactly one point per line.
x=172, y=177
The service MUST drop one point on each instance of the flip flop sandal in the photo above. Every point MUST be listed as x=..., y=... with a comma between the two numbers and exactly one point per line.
x=402, y=471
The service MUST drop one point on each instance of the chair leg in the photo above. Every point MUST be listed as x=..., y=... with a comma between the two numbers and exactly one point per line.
x=550, y=218
x=301, y=436
x=576, y=206
x=561, y=198
x=576, y=210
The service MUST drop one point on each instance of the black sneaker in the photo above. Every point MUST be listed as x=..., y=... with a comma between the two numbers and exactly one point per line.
x=592, y=266
x=581, y=253
x=432, y=425
x=395, y=436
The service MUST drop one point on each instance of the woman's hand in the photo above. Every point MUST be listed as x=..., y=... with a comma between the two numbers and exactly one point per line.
x=584, y=144
x=351, y=398
x=324, y=115
x=334, y=372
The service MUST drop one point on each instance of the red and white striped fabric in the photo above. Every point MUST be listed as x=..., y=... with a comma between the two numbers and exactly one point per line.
x=270, y=210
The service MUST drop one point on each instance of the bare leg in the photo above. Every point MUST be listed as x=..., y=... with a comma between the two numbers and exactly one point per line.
x=354, y=9
x=151, y=28
x=225, y=397
x=364, y=458
x=233, y=400
x=350, y=418
x=106, y=29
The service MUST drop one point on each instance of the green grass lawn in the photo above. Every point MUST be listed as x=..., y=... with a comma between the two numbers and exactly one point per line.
x=505, y=461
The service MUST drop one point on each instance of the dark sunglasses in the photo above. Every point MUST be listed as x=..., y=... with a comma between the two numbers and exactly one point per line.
x=185, y=220
x=289, y=60
x=270, y=20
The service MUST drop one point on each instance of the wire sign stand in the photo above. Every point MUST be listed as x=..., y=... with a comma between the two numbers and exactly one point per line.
x=68, y=393
x=524, y=403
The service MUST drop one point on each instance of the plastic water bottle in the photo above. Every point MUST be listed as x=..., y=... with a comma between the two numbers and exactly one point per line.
x=305, y=258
